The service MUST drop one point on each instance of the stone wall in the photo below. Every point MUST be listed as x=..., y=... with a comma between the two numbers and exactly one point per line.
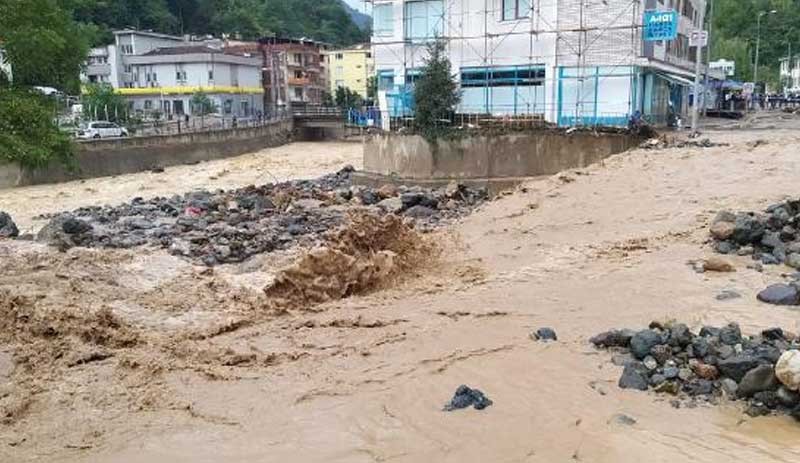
x=127, y=155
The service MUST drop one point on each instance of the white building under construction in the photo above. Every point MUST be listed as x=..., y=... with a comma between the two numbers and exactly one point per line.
x=568, y=61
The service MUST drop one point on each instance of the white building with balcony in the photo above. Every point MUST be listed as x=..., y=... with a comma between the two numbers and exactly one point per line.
x=568, y=61
x=790, y=74
x=164, y=81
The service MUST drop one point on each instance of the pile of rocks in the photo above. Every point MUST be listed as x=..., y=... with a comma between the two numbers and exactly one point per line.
x=231, y=226
x=771, y=237
x=763, y=370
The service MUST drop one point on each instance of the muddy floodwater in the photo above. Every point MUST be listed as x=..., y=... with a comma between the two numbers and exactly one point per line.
x=153, y=359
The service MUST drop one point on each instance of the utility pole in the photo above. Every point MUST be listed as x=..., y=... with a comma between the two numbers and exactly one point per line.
x=697, y=64
x=708, y=52
x=761, y=14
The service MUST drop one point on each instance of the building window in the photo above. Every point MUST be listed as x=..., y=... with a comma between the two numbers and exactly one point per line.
x=383, y=19
x=180, y=76
x=369, y=55
x=339, y=56
x=210, y=75
x=516, y=9
x=297, y=58
x=424, y=19
x=339, y=71
x=385, y=80
x=298, y=74
x=298, y=93
x=148, y=105
x=227, y=107
x=502, y=90
x=127, y=49
x=339, y=83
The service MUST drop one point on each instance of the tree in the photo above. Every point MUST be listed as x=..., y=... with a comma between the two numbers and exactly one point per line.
x=100, y=101
x=436, y=93
x=346, y=98
x=28, y=133
x=202, y=105
x=45, y=46
x=372, y=88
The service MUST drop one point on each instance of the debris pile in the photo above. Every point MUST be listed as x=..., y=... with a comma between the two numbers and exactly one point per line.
x=762, y=370
x=664, y=142
x=770, y=238
x=230, y=226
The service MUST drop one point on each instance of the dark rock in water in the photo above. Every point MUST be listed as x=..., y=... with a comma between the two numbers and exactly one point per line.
x=730, y=334
x=724, y=247
x=545, y=334
x=73, y=226
x=707, y=331
x=466, y=397
x=748, y=229
x=657, y=379
x=737, y=366
x=623, y=420
x=773, y=334
x=771, y=240
x=787, y=398
x=613, y=338
x=727, y=294
x=661, y=353
x=757, y=409
x=769, y=259
x=8, y=229
x=411, y=199
x=795, y=413
x=698, y=387
x=420, y=212
x=671, y=372
x=759, y=379
x=768, y=398
x=634, y=376
x=643, y=341
x=780, y=294
x=724, y=351
x=700, y=347
x=680, y=335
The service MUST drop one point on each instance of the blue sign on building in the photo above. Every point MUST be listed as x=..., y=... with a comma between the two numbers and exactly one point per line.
x=660, y=25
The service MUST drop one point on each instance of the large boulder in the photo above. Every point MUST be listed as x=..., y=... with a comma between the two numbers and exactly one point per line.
x=747, y=229
x=65, y=232
x=759, y=379
x=643, y=341
x=737, y=366
x=787, y=369
x=613, y=338
x=780, y=294
x=722, y=230
x=8, y=229
x=634, y=376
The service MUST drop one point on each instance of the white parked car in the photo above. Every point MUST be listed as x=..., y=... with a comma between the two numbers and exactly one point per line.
x=102, y=129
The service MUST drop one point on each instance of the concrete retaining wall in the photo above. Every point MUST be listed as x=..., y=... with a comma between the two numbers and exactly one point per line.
x=488, y=157
x=127, y=155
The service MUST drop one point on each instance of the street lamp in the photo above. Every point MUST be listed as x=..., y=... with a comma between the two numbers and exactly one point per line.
x=758, y=41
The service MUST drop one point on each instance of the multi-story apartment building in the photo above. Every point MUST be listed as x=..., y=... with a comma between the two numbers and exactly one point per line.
x=790, y=74
x=164, y=80
x=569, y=61
x=306, y=81
x=110, y=63
x=351, y=68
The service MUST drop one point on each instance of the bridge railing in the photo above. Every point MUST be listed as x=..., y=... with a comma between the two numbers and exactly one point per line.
x=318, y=111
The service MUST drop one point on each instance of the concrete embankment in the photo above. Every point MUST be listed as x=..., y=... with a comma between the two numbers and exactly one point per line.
x=493, y=160
x=128, y=155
